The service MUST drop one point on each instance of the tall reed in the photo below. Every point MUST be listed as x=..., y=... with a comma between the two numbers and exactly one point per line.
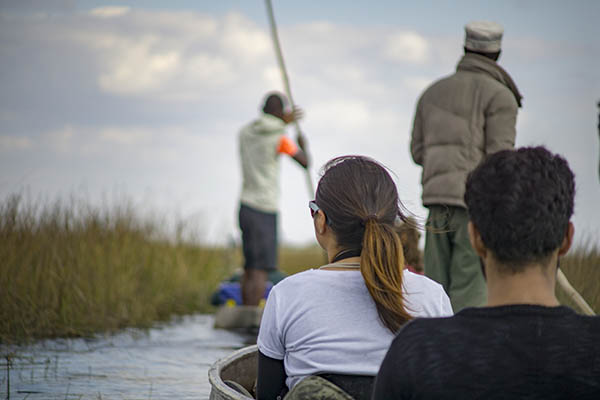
x=69, y=269
x=296, y=259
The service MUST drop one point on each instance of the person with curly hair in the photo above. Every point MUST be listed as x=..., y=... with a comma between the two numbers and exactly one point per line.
x=523, y=343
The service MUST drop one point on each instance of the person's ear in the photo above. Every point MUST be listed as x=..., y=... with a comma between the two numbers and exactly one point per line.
x=567, y=240
x=476, y=242
x=320, y=222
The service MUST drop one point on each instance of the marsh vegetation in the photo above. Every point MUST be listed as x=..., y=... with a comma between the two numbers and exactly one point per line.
x=68, y=269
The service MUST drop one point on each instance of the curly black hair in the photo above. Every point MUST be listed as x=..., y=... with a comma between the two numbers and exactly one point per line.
x=521, y=202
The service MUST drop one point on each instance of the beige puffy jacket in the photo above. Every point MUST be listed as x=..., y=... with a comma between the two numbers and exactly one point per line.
x=459, y=120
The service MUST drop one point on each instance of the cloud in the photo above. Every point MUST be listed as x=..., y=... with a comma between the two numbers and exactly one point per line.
x=243, y=39
x=272, y=77
x=127, y=136
x=109, y=11
x=345, y=115
x=210, y=70
x=141, y=69
x=61, y=140
x=417, y=84
x=37, y=6
x=173, y=56
x=406, y=47
x=10, y=143
x=153, y=100
x=533, y=48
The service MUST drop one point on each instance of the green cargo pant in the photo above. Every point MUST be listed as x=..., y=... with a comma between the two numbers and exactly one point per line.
x=316, y=388
x=449, y=258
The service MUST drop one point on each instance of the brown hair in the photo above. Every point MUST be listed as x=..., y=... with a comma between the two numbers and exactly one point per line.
x=360, y=201
x=409, y=236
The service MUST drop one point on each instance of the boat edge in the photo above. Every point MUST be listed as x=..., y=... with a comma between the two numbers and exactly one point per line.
x=217, y=386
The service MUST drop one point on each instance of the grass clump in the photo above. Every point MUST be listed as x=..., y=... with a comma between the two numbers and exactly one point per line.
x=297, y=259
x=68, y=269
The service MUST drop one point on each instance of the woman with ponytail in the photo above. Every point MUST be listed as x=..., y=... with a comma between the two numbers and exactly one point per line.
x=337, y=321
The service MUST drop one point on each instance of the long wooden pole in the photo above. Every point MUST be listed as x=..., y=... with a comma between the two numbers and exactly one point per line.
x=286, y=83
x=573, y=294
x=562, y=279
x=599, y=135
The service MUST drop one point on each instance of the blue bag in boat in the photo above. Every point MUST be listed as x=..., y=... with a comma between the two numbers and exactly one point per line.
x=233, y=291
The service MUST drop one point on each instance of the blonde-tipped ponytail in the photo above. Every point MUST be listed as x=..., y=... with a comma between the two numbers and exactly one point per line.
x=381, y=265
x=360, y=201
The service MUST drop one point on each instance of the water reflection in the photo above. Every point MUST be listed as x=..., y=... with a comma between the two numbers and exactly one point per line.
x=169, y=361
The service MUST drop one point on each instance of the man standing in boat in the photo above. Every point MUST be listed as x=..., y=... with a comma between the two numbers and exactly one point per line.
x=261, y=142
x=460, y=120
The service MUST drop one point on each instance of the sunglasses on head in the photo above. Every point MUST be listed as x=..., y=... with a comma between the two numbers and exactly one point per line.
x=313, y=207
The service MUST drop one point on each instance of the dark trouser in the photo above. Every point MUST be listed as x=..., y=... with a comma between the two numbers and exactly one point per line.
x=259, y=238
x=449, y=258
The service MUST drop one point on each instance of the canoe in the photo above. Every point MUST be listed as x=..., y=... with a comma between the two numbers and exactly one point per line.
x=231, y=313
x=239, y=367
x=238, y=317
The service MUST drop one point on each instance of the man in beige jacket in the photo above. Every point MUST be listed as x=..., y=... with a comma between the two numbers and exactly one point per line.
x=460, y=120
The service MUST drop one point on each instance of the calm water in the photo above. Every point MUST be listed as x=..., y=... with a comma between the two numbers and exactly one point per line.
x=167, y=362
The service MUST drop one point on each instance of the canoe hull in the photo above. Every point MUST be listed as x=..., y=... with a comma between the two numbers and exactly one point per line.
x=241, y=367
x=238, y=317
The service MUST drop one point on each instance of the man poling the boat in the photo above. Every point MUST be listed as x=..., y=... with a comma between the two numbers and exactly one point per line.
x=258, y=208
x=260, y=144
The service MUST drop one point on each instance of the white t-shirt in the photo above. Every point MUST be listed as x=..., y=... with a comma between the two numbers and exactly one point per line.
x=326, y=321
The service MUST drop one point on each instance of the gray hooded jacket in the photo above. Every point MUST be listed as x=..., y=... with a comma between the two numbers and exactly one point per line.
x=459, y=120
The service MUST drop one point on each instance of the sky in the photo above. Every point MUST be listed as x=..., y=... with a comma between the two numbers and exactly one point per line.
x=143, y=100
